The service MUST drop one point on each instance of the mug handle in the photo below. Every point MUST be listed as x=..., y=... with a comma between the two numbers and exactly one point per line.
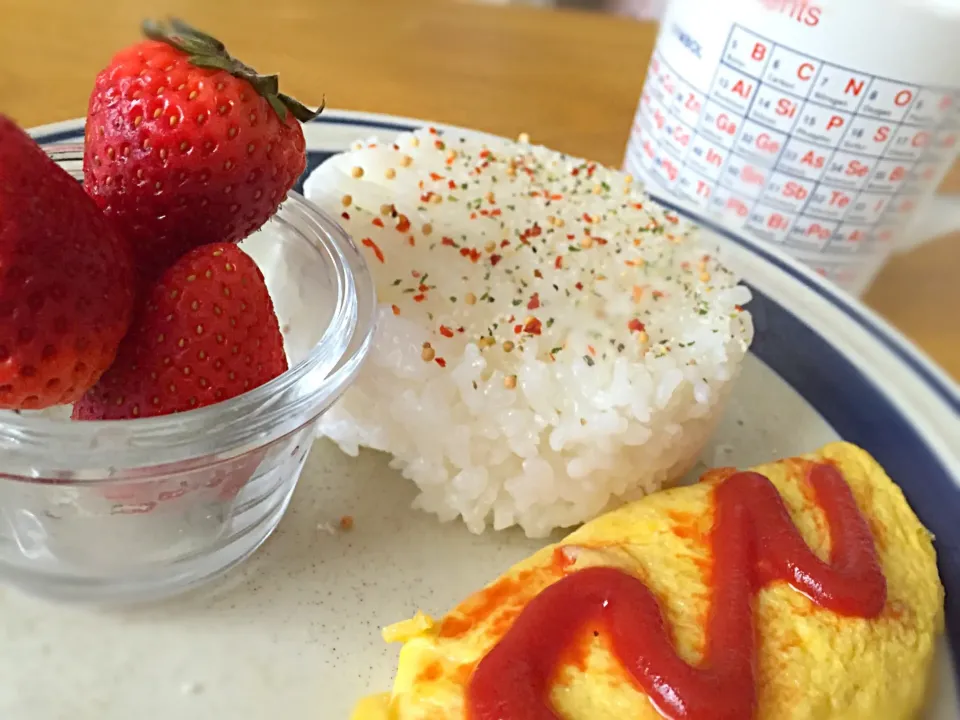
x=940, y=215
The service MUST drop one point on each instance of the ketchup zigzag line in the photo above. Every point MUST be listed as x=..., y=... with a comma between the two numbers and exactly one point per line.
x=754, y=543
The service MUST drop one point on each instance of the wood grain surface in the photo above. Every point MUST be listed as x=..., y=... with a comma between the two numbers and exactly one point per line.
x=570, y=79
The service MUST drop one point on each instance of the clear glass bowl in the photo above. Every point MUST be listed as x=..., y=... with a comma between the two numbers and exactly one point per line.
x=135, y=509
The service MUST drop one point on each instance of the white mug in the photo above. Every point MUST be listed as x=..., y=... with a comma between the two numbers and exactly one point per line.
x=821, y=126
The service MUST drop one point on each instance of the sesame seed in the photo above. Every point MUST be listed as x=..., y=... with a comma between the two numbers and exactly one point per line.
x=427, y=229
x=523, y=138
x=427, y=353
x=470, y=299
x=510, y=382
x=406, y=161
x=390, y=173
x=508, y=346
x=357, y=172
x=346, y=200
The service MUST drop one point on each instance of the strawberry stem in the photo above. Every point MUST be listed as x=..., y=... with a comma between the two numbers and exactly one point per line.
x=207, y=52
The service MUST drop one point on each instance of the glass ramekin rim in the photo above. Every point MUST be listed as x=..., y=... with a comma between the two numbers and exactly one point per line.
x=228, y=428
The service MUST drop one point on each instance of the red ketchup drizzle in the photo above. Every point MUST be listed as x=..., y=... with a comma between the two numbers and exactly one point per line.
x=754, y=543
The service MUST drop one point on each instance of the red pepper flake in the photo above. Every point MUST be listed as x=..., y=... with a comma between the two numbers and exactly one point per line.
x=599, y=240
x=533, y=326
x=404, y=224
x=538, y=274
x=423, y=288
x=579, y=286
x=438, y=144
x=638, y=206
x=435, y=177
x=575, y=172
x=536, y=230
x=534, y=302
x=591, y=350
x=672, y=219
x=738, y=308
x=558, y=263
x=494, y=259
x=378, y=222
x=425, y=197
x=586, y=217
x=485, y=212
x=446, y=332
x=460, y=329
x=485, y=153
x=636, y=326
x=504, y=243
x=518, y=329
x=345, y=215
x=556, y=196
x=419, y=298
x=657, y=294
x=415, y=273
x=396, y=310
x=471, y=253
x=591, y=168
x=411, y=241
x=473, y=216
x=451, y=184
x=496, y=212
x=571, y=236
x=432, y=130
x=367, y=242
x=448, y=241
x=534, y=193
x=441, y=362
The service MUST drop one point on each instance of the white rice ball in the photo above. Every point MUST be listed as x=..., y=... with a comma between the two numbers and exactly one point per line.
x=550, y=341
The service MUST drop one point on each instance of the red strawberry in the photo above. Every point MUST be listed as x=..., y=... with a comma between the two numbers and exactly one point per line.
x=66, y=280
x=187, y=146
x=205, y=332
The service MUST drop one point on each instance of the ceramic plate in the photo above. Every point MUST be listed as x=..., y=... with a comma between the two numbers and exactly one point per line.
x=294, y=632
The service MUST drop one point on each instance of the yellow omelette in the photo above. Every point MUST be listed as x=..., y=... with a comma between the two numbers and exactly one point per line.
x=812, y=664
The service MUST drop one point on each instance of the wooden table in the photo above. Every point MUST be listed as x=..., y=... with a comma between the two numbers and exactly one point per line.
x=500, y=69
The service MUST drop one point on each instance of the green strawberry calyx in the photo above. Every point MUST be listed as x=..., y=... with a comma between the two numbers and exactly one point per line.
x=206, y=51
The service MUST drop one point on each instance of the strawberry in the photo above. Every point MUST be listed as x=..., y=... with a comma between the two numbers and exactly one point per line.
x=66, y=280
x=187, y=146
x=205, y=332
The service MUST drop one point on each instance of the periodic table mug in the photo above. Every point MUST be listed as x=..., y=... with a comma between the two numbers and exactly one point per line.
x=821, y=126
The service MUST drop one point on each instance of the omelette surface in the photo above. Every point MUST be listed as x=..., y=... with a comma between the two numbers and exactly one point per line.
x=811, y=663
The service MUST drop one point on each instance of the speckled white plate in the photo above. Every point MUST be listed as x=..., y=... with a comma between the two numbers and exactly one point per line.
x=294, y=633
